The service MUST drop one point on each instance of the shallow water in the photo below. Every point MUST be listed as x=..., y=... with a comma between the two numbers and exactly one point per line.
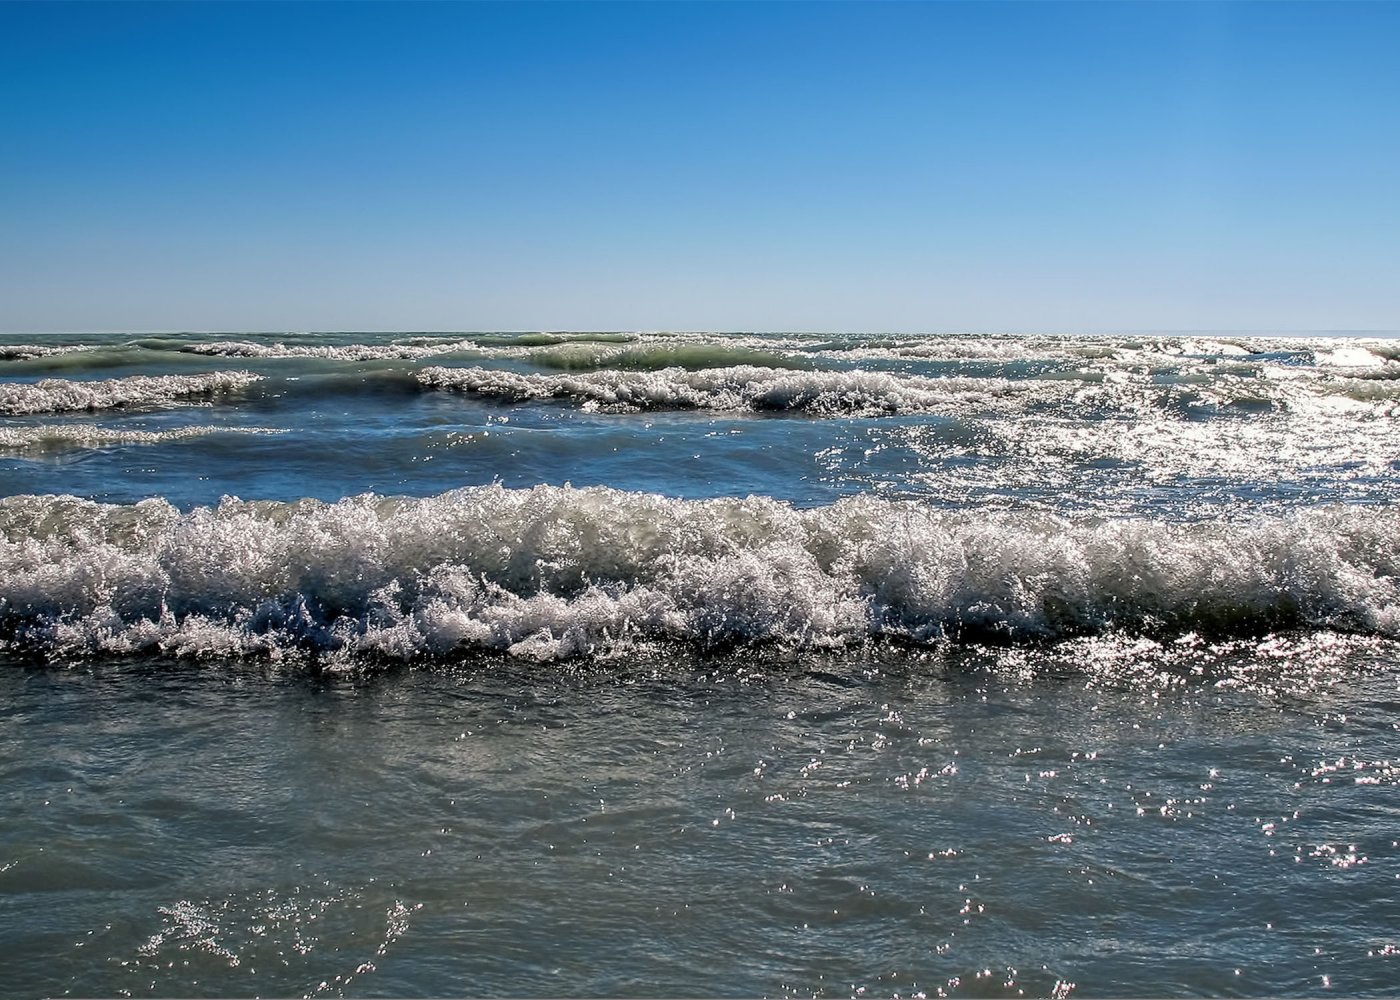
x=207, y=831
x=699, y=665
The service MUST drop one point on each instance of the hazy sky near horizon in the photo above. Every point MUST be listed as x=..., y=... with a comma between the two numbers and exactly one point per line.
x=736, y=166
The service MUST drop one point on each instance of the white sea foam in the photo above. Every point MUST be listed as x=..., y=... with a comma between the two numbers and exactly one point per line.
x=1005, y=348
x=331, y=352
x=62, y=395
x=1365, y=360
x=651, y=356
x=24, y=352
x=740, y=387
x=866, y=393
x=48, y=438
x=553, y=572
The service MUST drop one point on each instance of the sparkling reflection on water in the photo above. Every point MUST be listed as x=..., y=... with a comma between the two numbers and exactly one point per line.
x=902, y=827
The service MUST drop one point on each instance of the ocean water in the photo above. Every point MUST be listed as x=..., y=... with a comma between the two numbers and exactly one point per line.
x=699, y=665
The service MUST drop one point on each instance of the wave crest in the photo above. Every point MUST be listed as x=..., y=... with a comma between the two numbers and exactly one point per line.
x=735, y=388
x=553, y=572
x=330, y=352
x=54, y=438
x=55, y=395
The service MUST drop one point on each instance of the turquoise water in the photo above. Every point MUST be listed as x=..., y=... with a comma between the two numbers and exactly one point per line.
x=699, y=665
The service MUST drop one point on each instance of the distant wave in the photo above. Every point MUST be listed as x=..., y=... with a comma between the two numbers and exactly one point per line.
x=25, y=352
x=742, y=387
x=546, y=339
x=1208, y=356
x=61, y=395
x=656, y=356
x=53, y=438
x=573, y=353
x=73, y=358
x=1016, y=347
x=1370, y=360
x=329, y=352
x=869, y=393
x=411, y=348
x=553, y=572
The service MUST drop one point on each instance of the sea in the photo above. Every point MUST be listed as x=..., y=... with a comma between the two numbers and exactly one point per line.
x=699, y=665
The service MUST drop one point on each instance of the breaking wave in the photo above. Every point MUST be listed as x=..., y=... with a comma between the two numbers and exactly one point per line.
x=550, y=573
x=330, y=352
x=741, y=387
x=1380, y=361
x=656, y=356
x=62, y=395
x=26, y=352
x=549, y=339
x=872, y=393
x=52, y=438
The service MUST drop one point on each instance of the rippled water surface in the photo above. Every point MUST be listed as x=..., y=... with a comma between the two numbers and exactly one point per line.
x=699, y=665
x=485, y=832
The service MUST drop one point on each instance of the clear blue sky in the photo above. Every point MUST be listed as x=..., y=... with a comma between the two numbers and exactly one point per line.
x=741, y=166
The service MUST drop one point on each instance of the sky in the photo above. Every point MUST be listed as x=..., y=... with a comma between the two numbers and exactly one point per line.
x=898, y=167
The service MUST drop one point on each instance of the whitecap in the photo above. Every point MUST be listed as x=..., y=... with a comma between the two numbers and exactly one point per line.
x=554, y=572
x=55, y=395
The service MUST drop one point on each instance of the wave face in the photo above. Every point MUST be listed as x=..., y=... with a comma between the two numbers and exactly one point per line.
x=59, y=395
x=550, y=573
